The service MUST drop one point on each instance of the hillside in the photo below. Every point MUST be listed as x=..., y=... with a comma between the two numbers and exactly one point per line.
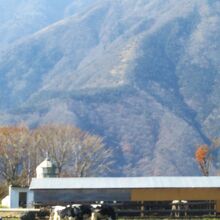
x=143, y=74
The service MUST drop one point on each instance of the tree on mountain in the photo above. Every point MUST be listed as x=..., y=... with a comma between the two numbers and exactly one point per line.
x=205, y=155
x=202, y=156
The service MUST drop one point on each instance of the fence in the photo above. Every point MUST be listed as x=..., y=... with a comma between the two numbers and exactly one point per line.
x=162, y=209
x=143, y=210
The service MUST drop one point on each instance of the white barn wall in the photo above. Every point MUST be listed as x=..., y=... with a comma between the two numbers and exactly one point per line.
x=14, y=196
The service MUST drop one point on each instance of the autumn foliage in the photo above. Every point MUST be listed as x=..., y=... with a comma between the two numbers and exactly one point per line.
x=203, y=159
x=75, y=152
x=201, y=153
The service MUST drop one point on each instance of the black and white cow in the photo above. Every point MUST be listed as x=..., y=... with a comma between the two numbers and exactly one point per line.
x=103, y=211
x=28, y=216
x=55, y=212
x=86, y=211
x=179, y=208
x=77, y=212
x=82, y=212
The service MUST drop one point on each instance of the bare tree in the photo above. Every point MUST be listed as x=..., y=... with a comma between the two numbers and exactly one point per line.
x=75, y=152
x=91, y=157
x=13, y=154
x=56, y=141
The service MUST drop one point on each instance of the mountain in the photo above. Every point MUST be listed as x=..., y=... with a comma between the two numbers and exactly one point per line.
x=22, y=18
x=143, y=74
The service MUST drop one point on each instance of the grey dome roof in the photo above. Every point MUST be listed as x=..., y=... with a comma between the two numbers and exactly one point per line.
x=47, y=163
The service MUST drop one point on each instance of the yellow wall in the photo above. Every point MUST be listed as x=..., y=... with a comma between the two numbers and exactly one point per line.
x=175, y=194
x=218, y=206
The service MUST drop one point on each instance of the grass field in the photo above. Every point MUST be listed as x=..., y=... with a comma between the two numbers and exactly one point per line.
x=142, y=218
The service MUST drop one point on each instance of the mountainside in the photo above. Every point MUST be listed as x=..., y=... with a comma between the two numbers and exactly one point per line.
x=143, y=74
x=24, y=17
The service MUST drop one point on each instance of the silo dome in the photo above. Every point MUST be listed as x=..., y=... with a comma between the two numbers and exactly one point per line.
x=46, y=169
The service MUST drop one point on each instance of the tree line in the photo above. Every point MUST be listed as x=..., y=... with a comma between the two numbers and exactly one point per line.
x=76, y=153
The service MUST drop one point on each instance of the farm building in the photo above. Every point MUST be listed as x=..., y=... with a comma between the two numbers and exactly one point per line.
x=68, y=190
x=18, y=197
x=47, y=189
x=22, y=197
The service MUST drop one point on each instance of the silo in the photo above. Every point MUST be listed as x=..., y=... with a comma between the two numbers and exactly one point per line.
x=46, y=169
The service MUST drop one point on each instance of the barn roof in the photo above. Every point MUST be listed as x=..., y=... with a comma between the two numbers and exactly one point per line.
x=125, y=182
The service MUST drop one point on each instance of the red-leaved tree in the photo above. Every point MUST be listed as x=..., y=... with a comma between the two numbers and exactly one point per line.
x=202, y=156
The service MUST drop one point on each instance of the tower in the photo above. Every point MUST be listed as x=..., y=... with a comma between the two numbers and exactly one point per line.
x=46, y=169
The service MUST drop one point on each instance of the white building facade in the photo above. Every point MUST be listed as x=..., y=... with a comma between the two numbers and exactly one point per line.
x=23, y=197
x=18, y=197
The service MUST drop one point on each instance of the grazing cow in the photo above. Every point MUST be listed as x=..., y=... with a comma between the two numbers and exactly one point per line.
x=175, y=208
x=78, y=212
x=184, y=207
x=179, y=207
x=55, y=214
x=85, y=211
x=28, y=216
x=103, y=212
x=68, y=212
x=43, y=213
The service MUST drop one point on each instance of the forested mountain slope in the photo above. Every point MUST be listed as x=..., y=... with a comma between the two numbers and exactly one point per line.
x=143, y=74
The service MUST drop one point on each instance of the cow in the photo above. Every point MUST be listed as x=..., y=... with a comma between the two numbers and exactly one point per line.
x=55, y=213
x=103, y=211
x=175, y=208
x=28, y=216
x=43, y=213
x=184, y=207
x=86, y=211
x=179, y=207
x=78, y=212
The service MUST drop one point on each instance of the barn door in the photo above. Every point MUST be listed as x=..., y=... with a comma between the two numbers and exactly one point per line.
x=23, y=199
